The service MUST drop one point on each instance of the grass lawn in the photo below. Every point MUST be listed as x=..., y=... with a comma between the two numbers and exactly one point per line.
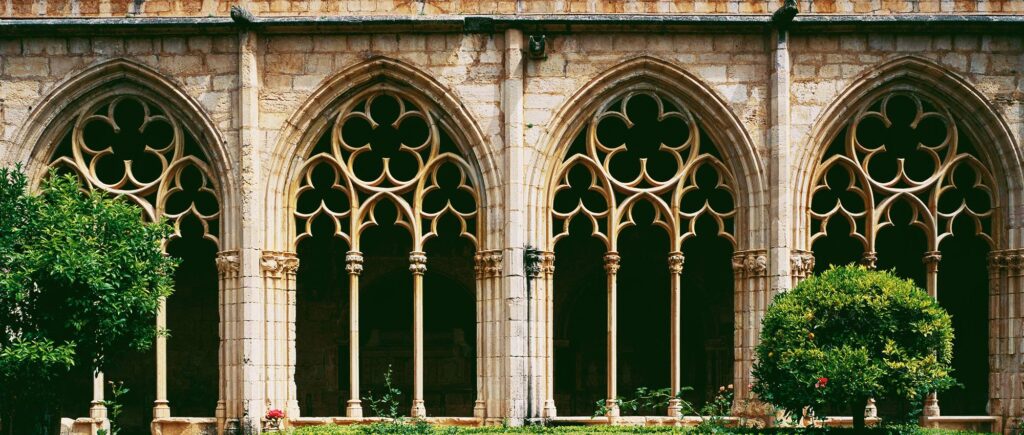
x=426, y=429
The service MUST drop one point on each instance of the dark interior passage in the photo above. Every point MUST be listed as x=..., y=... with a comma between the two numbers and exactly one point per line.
x=963, y=292
x=707, y=313
x=580, y=316
x=643, y=307
x=321, y=324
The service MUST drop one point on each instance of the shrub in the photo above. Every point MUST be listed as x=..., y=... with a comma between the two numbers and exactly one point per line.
x=851, y=334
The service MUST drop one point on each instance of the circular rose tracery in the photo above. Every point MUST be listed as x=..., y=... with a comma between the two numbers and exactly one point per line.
x=902, y=150
x=384, y=147
x=130, y=146
x=639, y=149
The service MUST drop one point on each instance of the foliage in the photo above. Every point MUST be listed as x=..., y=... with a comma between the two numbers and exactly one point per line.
x=644, y=400
x=81, y=277
x=115, y=405
x=850, y=334
x=385, y=405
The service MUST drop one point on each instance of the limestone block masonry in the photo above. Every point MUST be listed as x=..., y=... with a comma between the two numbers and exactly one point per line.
x=467, y=124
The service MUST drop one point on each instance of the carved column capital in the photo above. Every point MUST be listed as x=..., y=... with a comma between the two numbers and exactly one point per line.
x=279, y=263
x=675, y=262
x=869, y=259
x=227, y=264
x=611, y=262
x=418, y=262
x=487, y=264
x=997, y=260
x=547, y=263
x=801, y=263
x=754, y=263
x=354, y=262
x=931, y=260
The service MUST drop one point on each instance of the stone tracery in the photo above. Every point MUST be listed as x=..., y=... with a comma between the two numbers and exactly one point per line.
x=387, y=146
x=642, y=158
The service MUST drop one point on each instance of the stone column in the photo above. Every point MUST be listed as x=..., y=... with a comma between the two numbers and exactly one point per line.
x=869, y=260
x=675, y=268
x=278, y=268
x=161, y=408
x=479, y=269
x=227, y=273
x=751, y=296
x=354, y=267
x=611, y=266
x=548, y=273
x=98, y=410
x=418, y=267
x=1006, y=317
x=492, y=342
x=931, y=262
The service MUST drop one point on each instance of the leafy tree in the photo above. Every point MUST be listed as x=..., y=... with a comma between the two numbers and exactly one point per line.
x=81, y=278
x=851, y=334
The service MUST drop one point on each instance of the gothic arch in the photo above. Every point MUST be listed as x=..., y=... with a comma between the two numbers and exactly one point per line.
x=123, y=128
x=717, y=119
x=978, y=118
x=715, y=159
x=316, y=115
x=40, y=134
x=965, y=148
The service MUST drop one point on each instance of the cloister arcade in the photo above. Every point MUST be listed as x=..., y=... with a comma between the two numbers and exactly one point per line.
x=633, y=241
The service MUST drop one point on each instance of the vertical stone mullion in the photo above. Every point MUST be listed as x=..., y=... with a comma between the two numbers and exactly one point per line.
x=548, y=270
x=611, y=266
x=479, y=407
x=751, y=296
x=354, y=267
x=227, y=274
x=931, y=261
x=278, y=270
x=418, y=267
x=675, y=269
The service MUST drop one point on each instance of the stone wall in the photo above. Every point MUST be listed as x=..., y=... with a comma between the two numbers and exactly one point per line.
x=202, y=8
x=264, y=90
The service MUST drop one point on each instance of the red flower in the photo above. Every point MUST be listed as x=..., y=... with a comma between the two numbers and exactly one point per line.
x=822, y=382
x=275, y=414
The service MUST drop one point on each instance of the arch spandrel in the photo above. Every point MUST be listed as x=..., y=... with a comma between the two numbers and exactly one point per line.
x=974, y=118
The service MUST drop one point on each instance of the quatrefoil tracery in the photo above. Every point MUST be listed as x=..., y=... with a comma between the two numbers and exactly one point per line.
x=902, y=150
x=132, y=147
x=385, y=146
x=643, y=147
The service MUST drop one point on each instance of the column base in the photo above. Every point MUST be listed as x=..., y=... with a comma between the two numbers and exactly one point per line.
x=613, y=410
x=354, y=409
x=479, y=409
x=221, y=414
x=549, y=409
x=98, y=410
x=161, y=409
x=418, y=411
x=931, y=405
x=675, y=408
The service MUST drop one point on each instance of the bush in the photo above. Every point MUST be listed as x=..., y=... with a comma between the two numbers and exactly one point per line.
x=848, y=335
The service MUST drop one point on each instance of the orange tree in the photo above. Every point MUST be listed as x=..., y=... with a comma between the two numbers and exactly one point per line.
x=851, y=334
x=81, y=278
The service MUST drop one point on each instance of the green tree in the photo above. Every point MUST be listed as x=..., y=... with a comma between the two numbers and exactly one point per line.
x=81, y=278
x=851, y=334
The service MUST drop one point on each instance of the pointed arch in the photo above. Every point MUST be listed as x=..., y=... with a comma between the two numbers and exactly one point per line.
x=718, y=120
x=316, y=115
x=39, y=135
x=976, y=116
